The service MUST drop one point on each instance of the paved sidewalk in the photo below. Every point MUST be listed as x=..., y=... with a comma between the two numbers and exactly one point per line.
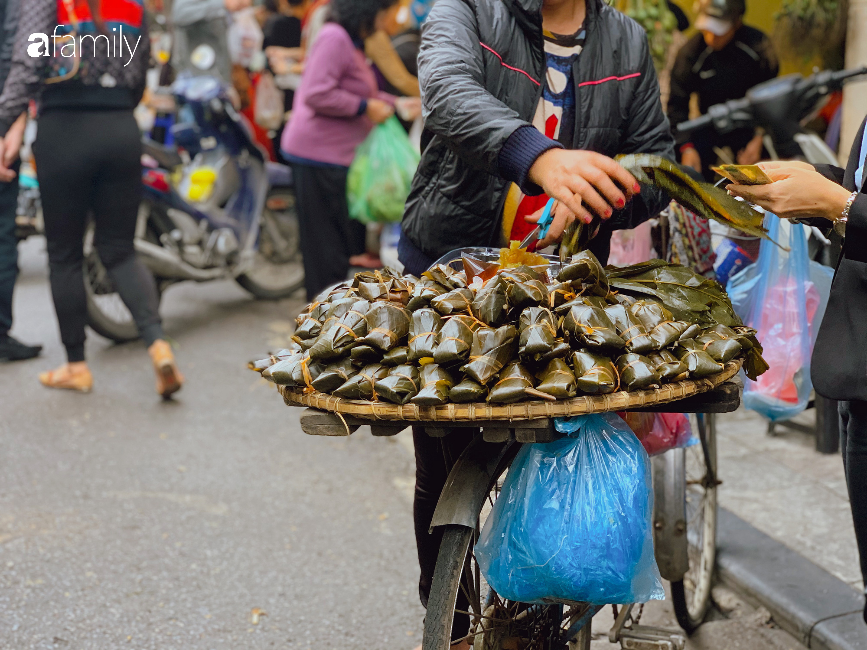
x=783, y=487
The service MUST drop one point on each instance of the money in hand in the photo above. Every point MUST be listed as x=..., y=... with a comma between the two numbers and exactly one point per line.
x=744, y=174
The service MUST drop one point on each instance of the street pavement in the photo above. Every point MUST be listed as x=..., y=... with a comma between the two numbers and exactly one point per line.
x=212, y=522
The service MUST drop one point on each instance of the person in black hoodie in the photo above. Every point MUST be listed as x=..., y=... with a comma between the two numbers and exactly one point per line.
x=523, y=100
x=88, y=158
x=833, y=197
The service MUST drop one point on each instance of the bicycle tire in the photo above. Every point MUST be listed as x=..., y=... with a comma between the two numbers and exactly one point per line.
x=691, y=595
x=445, y=586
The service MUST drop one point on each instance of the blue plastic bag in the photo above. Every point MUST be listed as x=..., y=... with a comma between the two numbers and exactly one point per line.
x=783, y=296
x=573, y=520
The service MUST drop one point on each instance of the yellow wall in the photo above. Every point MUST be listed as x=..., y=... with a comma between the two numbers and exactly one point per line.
x=760, y=14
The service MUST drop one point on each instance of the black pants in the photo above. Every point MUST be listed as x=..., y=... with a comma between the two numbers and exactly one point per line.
x=323, y=219
x=8, y=251
x=89, y=163
x=434, y=458
x=853, y=443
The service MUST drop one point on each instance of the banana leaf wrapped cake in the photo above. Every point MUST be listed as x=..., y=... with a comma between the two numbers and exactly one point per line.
x=511, y=334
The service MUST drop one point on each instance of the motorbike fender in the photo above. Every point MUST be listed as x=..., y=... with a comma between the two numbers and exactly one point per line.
x=669, y=514
x=470, y=480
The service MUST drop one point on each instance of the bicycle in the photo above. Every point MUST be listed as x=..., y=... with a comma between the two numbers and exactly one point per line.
x=685, y=483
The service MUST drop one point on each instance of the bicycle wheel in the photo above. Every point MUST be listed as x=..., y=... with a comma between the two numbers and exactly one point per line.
x=463, y=607
x=691, y=595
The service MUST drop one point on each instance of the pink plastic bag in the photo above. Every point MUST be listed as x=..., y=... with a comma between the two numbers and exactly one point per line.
x=630, y=247
x=660, y=432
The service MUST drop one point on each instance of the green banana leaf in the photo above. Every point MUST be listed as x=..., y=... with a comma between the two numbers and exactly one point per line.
x=687, y=295
x=704, y=199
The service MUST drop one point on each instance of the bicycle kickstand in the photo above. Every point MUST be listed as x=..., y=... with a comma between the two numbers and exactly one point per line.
x=642, y=637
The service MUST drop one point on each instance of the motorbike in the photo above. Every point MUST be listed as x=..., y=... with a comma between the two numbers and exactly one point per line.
x=214, y=207
x=781, y=107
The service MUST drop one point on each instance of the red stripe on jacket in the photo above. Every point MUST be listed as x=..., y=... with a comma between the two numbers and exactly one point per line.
x=506, y=65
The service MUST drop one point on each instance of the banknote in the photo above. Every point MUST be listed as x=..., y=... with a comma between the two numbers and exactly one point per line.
x=743, y=174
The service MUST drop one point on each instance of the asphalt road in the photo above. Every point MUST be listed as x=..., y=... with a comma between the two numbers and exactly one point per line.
x=126, y=522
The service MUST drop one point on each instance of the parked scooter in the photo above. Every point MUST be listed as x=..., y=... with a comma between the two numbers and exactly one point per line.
x=213, y=208
x=781, y=107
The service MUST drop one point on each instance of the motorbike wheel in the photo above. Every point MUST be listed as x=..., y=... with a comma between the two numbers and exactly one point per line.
x=277, y=271
x=107, y=315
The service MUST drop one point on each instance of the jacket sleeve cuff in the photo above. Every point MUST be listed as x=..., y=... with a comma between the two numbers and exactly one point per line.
x=519, y=153
x=856, y=231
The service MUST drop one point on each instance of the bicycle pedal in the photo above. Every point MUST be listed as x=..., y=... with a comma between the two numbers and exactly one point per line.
x=645, y=637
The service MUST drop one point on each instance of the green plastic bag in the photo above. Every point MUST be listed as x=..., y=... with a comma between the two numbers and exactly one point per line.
x=381, y=174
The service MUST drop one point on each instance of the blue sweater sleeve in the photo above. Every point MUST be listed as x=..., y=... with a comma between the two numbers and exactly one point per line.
x=518, y=154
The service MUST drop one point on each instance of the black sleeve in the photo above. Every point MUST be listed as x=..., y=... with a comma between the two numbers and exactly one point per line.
x=855, y=243
x=682, y=87
x=456, y=104
x=769, y=65
x=682, y=20
x=648, y=132
x=831, y=172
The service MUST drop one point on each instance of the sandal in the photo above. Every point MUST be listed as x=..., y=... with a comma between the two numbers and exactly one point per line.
x=67, y=378
x=169, y=378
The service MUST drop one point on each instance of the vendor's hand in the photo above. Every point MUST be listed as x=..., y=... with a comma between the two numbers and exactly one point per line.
x=752, y=153
x=379, y=111
x=10, y=147
x=796, y=193
x=689, y=158
x=563, y=216
x=582, y=178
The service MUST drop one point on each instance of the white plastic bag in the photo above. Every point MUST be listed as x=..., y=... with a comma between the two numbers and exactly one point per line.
x=245, y=37
x=269, y=103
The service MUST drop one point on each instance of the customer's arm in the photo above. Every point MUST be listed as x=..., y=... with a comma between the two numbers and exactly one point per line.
x=379, y=49
x=25, y=75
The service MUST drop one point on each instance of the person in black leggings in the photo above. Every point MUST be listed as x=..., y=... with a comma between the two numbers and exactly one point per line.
x=828, y=196
x=88, y=159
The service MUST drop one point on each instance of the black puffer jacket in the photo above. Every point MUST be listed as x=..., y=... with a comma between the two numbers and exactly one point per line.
x=481, y=67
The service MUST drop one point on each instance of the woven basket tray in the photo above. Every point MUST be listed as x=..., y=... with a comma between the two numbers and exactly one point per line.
x=618, y=401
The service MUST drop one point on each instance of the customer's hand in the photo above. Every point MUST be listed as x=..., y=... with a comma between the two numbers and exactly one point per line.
x=796, y=193
x=584, y=181
x=11, y=147
x=689, y=158
x=379, y=111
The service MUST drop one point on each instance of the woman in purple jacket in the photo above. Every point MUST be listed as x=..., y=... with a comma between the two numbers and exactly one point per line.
x=335, y=108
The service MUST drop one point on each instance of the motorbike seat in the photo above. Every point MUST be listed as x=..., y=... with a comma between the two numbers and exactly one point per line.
x=279, y=175
x=166, y=157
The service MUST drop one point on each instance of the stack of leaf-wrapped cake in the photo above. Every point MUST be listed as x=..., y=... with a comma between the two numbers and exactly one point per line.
x=503, y=335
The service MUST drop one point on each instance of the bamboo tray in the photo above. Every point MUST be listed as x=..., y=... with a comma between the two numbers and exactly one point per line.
x=484, y=412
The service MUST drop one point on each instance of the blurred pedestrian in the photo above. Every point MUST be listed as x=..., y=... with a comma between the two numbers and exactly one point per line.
x=88, y=155
x=10, y=348
x=722, y=62
x=335, y=108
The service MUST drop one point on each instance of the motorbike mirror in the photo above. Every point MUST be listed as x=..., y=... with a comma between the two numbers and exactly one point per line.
x=203, y=57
